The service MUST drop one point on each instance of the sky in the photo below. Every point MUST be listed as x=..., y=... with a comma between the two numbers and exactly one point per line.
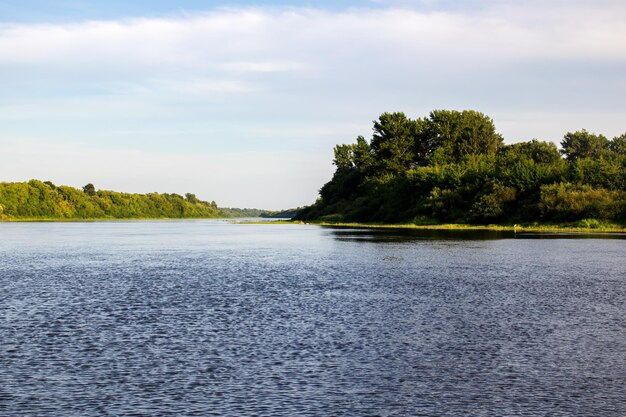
x=242, y=102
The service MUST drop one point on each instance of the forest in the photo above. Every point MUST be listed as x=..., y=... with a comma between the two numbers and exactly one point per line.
x=44, y=200
x=453, y=167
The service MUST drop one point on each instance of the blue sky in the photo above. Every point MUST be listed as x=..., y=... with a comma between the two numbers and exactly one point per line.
x=51, y=10
x=242, y=102
x=72, y=10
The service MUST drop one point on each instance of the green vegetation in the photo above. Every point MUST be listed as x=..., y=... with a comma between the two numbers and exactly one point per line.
x=241, y=212
x=586, y=226
x=282, y=214
x=453, y=167
x=252, y=212
x=36, y=200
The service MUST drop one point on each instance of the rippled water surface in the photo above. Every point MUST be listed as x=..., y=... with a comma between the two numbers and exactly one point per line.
x=199, y=318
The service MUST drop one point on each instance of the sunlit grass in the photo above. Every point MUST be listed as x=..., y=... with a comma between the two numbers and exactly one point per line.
x=583, y=226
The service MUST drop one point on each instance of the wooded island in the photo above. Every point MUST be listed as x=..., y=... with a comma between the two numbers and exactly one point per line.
x=453, y=167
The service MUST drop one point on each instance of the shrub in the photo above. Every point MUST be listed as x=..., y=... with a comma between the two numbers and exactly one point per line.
x=565, y=201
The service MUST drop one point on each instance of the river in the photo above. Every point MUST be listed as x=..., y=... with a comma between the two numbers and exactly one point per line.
x=200, y=318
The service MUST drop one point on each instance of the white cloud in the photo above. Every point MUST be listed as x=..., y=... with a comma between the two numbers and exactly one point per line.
x=268, y=40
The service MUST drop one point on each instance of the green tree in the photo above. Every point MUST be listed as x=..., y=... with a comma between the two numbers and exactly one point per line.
x=344, y=156
x=526, y=165
x=618, y=144
x=191, y=198
x=393, y=142
x=456, y=134
x=606, y=171
x=582, y=144
x=491, y=206
x=89, y=189
x=357, y=155
x=539, y=151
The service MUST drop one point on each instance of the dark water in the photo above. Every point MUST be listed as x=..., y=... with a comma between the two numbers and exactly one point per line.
x=207, y=318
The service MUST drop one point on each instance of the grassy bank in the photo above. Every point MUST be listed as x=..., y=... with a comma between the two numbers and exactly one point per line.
x=579, y=227
x=492, y=227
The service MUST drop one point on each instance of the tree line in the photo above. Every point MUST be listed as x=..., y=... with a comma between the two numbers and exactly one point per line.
x=44, y=200
x=253, y=212
x=453, y=166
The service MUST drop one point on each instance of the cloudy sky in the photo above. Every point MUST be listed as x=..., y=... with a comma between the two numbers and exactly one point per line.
x=242, y=102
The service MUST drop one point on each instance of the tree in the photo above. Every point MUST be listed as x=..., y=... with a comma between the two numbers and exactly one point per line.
x=492, y=205
x=525, y=165
x=582, y=144
x=89, y=189
x=455, y=134
x=618, y=144
x=393, y=142
x=539, y=151
x=191, y=198
x=355, y=156
x=344, y=158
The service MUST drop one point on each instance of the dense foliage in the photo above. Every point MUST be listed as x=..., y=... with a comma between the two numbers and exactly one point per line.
x=44, y=200
x=454, y=167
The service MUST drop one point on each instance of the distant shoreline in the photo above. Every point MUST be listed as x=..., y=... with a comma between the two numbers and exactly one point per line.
x=107, y=219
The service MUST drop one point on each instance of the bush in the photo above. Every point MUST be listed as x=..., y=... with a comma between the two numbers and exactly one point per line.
x=491, y=206
x=572, y=201
x=589, y=223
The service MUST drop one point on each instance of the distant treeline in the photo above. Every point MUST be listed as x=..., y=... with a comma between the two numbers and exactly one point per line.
x=44, y=200
x=454, y=167
x=241, y=212
x=234, y=212
x=283, y=214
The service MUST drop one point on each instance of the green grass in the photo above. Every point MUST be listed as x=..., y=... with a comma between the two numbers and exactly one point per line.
x=568, y=228
x=583, y=226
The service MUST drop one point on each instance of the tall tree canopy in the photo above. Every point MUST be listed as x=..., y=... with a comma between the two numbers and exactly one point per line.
x=618, y=144
x=582, y=144
x=456, y=134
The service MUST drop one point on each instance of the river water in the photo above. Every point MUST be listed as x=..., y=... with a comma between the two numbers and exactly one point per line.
x=200, y=318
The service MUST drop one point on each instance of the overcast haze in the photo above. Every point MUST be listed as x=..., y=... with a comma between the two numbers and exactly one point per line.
x=243, y=104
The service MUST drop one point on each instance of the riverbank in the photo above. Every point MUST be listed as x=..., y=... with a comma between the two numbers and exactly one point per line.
x=592, y=227
x=519, y=228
